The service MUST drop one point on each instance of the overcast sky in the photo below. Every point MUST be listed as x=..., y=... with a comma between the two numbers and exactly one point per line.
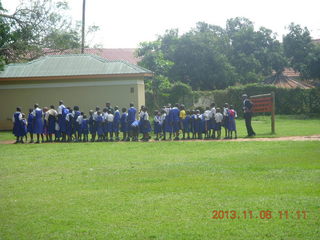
x=125, y=23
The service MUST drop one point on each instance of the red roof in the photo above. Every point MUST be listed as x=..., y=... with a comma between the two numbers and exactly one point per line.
x=124, y=54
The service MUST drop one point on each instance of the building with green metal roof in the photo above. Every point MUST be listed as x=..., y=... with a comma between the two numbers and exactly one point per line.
x=80, y=79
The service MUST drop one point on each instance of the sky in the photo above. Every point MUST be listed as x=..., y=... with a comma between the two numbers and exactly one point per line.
x=126, y=23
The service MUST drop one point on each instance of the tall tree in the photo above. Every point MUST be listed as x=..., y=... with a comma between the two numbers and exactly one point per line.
x=35, y=25
x=302, y=53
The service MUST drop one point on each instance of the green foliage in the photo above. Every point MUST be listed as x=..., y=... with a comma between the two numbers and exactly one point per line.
x=35, y=25
x=210, y=57
x=179, y=92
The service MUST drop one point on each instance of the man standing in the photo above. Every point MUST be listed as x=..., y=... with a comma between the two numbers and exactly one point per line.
x=247, y=109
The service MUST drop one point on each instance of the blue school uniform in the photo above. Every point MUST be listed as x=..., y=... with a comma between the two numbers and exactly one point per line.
x=197, y=123
x=30, y=123
x=167, y=122
x=99, y=125
x=63, y=121
x=69, y=123
x=202, y=124
x=123, y=123
x=145, y=126
x=186, y=124
x=232, y=122
x=104, y=122
x=157, y=124
x=38, y=121
x=116, y=121
x=51, y=124
x=192, y=123
x=110, y=128
x=76, y=127
x=24, y=129
x=175, y=119
x=84, y=126
x=131, y=115
x=92, y=128
x=17, y=124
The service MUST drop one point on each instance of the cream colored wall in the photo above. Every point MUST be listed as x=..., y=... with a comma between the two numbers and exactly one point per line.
x=86, y=97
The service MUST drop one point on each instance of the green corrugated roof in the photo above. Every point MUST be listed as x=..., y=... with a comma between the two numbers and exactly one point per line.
x=70, y=65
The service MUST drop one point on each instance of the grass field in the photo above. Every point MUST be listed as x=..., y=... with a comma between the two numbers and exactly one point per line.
x=164, y=190
x=286, y=125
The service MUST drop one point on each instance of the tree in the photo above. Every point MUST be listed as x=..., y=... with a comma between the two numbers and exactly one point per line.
x=304, y=56
x=200, y=59
x=35, y=25
x=254, y=54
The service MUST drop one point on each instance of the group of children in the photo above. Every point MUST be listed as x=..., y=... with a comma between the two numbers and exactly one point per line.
x=194, y=124
x=70, y=124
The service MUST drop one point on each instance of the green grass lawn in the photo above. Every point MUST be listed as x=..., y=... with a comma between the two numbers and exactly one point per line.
x=286, y=125
x=164, y=190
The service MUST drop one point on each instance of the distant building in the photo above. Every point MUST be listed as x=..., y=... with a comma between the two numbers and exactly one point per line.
x=83, y=80
x=112, y=54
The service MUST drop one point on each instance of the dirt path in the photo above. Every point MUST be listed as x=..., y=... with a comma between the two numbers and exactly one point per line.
x=291, y=138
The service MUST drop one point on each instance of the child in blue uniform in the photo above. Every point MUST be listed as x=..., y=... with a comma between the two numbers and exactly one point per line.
x=104, y=115
x=175, y=120
x=110, y=129
x=92, y=128
x=193, y=124
x=116, y=122
x=232, y=114
x=30, y=124
x=69, y=124
x=145, y=124
x=50, y=117
x=17, y=129
x=218, y=123
x=157, y=122
x=38, y=122
x=131, y=118
x=124, y=124
x=134, y=128
x=226, y=120
x=85, y=128
x=76, y=126
x=99, y=122
x=186, y=125
x=24, y=128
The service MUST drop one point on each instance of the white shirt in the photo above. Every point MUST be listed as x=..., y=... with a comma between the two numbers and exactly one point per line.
x=50, y=112
x=145, y=116
x=79, y=119
x=105, y=116
x=94, y=116
x=218, y=117
x=110, y=117
x=213, y=112
x=207, y=114
x=60, y=108
x=225, y=111
x=167, y=110
x=163, y=117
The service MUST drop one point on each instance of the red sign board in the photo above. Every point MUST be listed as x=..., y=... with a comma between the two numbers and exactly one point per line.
x=265, y=103
x=262, y=104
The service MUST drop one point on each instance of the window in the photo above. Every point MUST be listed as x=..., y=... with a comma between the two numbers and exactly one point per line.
x=132, y=90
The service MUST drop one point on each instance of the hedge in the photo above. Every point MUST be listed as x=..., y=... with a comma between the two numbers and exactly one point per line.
x=288, y=101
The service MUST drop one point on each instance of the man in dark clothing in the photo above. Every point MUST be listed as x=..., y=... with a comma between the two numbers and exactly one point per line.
x=247, y=109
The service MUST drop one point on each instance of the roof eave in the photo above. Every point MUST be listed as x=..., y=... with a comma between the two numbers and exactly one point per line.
x=93, y=76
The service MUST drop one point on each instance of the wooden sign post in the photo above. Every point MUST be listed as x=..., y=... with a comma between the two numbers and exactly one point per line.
x=265, y=103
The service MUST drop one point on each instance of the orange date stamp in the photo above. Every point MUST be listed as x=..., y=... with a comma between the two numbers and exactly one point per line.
x=264, y=214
